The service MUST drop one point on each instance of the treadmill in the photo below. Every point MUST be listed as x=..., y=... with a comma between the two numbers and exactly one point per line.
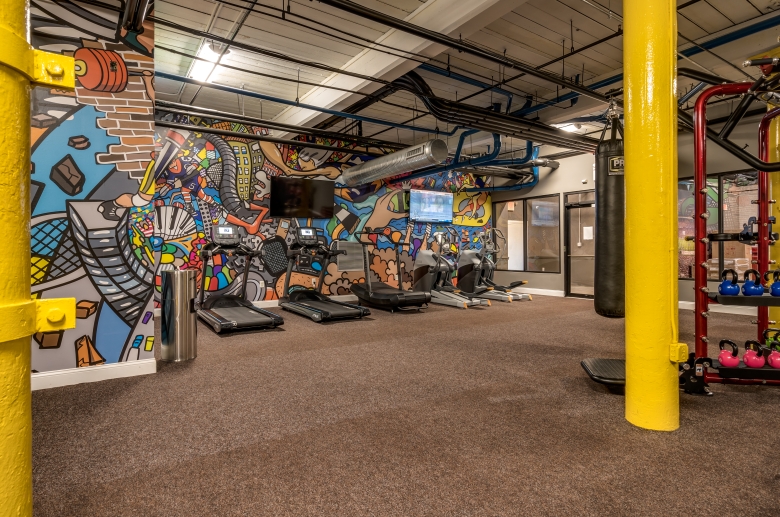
x=227, y=312
x=309, y=247
x=381, y=295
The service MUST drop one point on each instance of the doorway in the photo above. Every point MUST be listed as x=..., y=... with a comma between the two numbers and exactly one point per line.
x=580, y=245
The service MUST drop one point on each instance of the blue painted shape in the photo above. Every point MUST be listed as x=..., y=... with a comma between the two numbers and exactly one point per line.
x=138, y=340
x=54, y=147
x=111, y=333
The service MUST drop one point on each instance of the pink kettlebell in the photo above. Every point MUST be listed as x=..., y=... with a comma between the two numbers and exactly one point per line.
x=728, y=358
x=754, y=355
x=773, y=359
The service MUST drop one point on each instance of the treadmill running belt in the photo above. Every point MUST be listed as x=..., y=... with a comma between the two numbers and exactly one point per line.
x=335, y=310
x=244, y=316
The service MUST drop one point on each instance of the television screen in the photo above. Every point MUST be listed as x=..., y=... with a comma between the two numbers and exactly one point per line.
x=430, y=207
x=298, y=197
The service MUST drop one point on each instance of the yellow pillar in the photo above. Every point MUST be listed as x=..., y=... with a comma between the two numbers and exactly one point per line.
x=650, y=69
x=15, y=414
x=19, y=65
x=774, y=183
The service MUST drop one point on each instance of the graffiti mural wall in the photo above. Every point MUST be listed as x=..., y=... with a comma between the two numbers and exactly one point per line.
x=92, y=218
x=204, y=179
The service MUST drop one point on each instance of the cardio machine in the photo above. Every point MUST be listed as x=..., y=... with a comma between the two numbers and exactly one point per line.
x=433, y=273
x=381, y=295
x=476, y=269
x=226, y=312
x=311, y=302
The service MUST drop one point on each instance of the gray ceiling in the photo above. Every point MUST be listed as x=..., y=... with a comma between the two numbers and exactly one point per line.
x=533, y=31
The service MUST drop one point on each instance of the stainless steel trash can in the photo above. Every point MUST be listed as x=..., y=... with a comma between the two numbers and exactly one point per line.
x=179, y=327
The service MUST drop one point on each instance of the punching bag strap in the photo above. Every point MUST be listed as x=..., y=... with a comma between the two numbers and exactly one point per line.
x=613, y=118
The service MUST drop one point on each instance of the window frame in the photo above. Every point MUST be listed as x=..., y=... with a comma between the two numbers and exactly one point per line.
x=524, y=201
x=717, y=177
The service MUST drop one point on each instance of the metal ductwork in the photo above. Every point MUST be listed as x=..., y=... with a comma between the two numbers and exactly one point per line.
x=432, y=152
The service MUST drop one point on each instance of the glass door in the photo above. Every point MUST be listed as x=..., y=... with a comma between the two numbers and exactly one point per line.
x=580, y=222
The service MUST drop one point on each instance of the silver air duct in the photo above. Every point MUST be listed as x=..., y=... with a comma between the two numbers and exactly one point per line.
x=432, y=152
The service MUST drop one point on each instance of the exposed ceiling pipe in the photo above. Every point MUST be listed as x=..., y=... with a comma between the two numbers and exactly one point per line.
x=265, y=138
x=468, y=80
x=457, y=44
x=681, y=55
x=507, y=80
x=357, y=107
x=194, y=111
x=286, y=102
x=489, y=120
x=432, y=152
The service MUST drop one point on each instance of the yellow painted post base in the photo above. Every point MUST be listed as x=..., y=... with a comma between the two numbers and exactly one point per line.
x=15, y=428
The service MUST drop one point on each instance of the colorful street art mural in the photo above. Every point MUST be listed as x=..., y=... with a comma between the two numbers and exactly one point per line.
x=92, y=219
x=114, y=203
x=204, y=179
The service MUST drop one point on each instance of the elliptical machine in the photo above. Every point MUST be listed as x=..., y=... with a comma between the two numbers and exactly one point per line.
x=476, y=269
x=433, y=272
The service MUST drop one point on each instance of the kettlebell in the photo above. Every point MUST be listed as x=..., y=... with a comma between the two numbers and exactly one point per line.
x=752, y=287
x=767, y=341
x=729, y=358
x=729, y=287
x=773, y=359
x=774, y=290
x=754, y=355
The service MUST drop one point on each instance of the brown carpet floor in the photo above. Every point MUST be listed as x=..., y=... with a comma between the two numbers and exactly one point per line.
x=476, y=412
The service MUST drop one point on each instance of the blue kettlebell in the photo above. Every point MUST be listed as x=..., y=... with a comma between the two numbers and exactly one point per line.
x=774, y=289
x=729, y=287
x=752, y=287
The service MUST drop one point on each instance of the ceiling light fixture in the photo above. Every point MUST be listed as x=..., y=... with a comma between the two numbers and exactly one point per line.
x=570, y=128
x=202, y=68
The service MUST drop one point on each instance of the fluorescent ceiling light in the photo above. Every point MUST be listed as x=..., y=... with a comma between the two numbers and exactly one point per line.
x=570, y=128
x=201, y=70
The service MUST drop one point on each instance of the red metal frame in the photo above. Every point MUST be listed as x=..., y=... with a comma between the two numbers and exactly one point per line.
x=700, y=231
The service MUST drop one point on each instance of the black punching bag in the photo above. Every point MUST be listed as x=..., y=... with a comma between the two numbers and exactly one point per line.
x=610, y=278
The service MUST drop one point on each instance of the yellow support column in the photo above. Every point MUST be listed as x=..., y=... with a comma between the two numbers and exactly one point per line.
x=774, y=184
x=19, y=315
x=650, y=70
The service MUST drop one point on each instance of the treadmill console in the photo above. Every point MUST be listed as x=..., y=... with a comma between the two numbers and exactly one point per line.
x=307, y=236
x=226, y=235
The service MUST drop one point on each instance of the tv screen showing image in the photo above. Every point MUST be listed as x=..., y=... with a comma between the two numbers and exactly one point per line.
x=298, y=197
x=430, y=207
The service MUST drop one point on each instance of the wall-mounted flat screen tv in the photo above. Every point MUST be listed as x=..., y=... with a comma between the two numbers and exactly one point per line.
x=299, y=197
x=430, y=207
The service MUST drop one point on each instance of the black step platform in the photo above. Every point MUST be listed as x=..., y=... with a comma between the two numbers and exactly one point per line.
x=767, y=373
x=611, y=372
x=746, y=301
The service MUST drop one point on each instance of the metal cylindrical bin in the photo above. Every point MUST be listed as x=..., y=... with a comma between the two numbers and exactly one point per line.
x=179, y=326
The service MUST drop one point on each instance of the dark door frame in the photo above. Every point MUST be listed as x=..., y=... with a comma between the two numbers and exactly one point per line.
x=567, y=245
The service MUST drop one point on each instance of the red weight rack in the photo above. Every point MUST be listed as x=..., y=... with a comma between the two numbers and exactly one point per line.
x=705, y=368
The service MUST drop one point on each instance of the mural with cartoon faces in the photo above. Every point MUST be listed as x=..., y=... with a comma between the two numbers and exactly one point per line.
x=203, y=179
